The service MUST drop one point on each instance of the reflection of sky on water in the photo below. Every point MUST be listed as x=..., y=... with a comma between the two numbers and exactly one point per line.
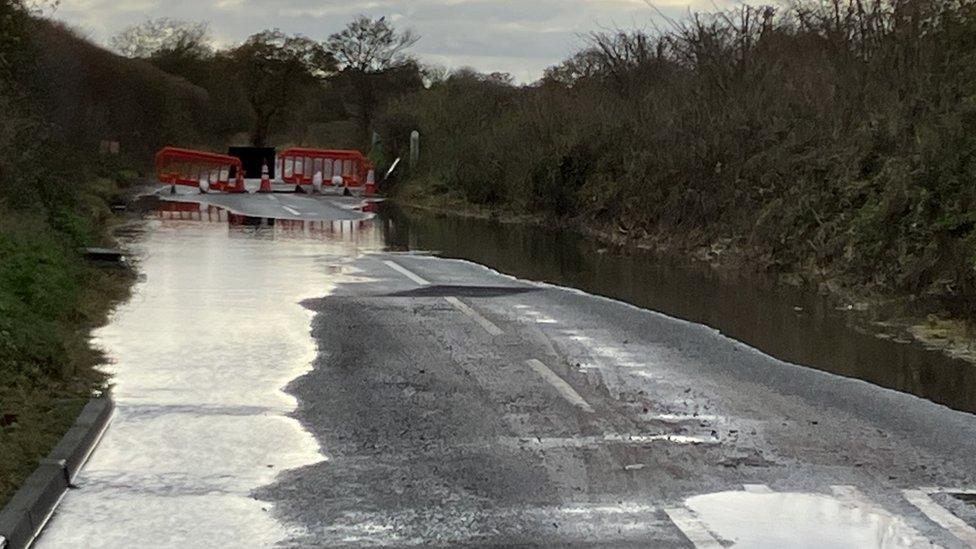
x=815, y=521
x=201, y=354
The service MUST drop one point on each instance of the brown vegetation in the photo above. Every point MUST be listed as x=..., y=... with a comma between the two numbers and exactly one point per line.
x=835, y=139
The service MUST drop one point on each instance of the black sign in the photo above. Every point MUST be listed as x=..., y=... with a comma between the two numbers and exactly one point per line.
x=254, y=159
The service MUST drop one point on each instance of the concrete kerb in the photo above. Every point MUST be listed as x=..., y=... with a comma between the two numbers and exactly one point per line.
x=32, y=506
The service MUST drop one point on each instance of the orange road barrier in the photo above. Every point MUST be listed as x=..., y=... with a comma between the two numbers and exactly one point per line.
x=204, y=170
x=303, y=167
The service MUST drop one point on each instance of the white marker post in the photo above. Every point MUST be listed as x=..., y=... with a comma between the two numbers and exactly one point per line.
x=414, y=148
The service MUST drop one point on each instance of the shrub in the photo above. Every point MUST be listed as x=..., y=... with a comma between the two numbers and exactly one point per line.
x=835, y=136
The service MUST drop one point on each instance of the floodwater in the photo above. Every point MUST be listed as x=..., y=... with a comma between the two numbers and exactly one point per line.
x=800, y=521
x=794, y=326
x=216, y=330
x=201, y=355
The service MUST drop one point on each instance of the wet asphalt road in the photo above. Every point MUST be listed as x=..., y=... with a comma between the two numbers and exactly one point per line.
x=448, y=405
x=457, y=406
x=288, y=206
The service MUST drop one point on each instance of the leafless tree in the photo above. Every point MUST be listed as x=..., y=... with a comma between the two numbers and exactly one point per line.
x=370, y=45
x=374, y=65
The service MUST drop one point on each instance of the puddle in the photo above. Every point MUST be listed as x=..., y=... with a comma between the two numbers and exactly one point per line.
x=200, y=356
x=796, y=520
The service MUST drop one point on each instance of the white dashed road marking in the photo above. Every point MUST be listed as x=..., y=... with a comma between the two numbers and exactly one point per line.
x=564, y=388
x=854, y=496
x=599, y=440
x=692, y=528
x=403, y=270
x=683, y=518
x=941, y=516
x=292, y=211
x=489, y=327
x=484, y=322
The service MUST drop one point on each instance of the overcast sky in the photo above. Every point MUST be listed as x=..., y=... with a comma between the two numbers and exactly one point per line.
x=521, y=37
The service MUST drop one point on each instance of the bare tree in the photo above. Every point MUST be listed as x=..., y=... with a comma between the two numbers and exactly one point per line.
x=370, y=45
x=374, y=65
x=164, y=35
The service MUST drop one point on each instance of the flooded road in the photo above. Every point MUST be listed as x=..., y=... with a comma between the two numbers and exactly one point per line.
x=201, y=354
x=795, y=326
x=304, y=381
x=774, y=520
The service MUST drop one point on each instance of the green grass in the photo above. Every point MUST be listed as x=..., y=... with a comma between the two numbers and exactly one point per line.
x=50, y=299
x=54, y=197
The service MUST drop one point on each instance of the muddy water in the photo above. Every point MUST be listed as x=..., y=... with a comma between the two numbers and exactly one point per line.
x=201, y=355
x=797, y=327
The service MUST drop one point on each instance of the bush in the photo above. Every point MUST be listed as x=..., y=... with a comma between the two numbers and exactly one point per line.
x=826, y=137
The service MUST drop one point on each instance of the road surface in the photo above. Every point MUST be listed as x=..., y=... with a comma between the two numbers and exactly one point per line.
x=288, y=206
x=297, y=391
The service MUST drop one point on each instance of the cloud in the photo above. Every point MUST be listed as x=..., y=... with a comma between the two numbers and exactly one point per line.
x=522, y=37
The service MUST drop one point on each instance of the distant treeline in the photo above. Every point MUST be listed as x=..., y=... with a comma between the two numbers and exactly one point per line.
x=172, y=87
x=835, y=139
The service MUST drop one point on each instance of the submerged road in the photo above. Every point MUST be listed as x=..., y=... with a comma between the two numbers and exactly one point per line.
x=437, y=402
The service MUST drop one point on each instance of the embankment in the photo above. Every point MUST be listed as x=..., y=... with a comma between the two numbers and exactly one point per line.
x=825, y=145
x=61, y=99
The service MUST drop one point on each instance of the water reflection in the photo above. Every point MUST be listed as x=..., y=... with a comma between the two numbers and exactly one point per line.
x=815, y=521
x=267, y=227
x=201, y=355
x=794, y=326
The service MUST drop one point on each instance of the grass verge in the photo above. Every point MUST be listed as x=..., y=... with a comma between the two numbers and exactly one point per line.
x=50, y=300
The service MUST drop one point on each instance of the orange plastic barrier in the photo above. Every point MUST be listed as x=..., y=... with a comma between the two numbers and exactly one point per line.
x=175, y=166
x=299, y=166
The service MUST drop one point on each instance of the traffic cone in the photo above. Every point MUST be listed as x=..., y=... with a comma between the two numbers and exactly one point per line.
x=265, y=179
x=370, y=188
